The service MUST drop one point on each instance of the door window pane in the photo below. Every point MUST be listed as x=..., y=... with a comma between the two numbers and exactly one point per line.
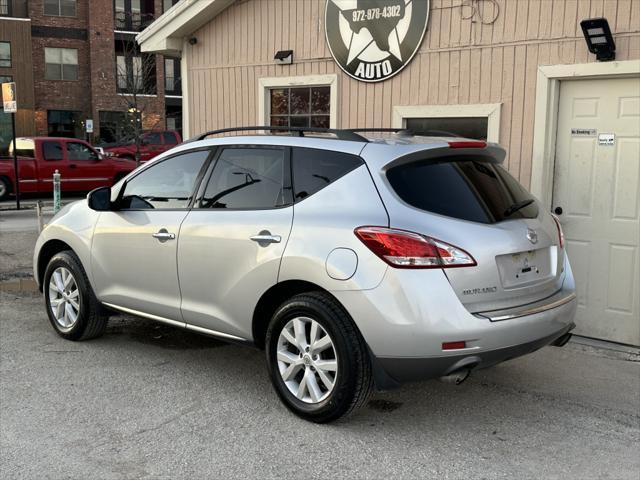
x=79, y=151
x=52, y=151
x=247, y=178
x=300, y=107
x=467, y=127
x=315, y=169
x=167, y=184
x=170, y=137
x=63, y=123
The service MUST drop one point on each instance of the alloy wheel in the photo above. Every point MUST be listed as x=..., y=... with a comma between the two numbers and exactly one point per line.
x=64, y=298
x=307, y=360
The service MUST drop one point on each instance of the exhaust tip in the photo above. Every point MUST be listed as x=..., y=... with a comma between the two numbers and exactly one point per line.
x=562, y=341
x=456, y=377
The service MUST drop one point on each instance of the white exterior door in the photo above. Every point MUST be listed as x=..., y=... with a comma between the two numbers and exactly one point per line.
x=596, y=183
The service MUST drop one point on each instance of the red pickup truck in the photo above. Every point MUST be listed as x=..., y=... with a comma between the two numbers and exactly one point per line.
x=80, y=166
x=152, y=144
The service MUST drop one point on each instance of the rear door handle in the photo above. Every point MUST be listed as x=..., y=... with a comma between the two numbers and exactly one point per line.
x=266, y=238
x=73, y=165
x=163, y=235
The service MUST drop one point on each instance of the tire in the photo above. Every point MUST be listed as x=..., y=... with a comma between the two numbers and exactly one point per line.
x=5, y=188
x=90, y=317
x=352, y=380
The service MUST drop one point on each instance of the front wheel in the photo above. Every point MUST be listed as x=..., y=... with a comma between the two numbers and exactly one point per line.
x=74, y=311
x=317, y=359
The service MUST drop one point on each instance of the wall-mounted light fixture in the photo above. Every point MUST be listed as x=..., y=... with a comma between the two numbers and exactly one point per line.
x=599, y=39
x=284, y=57
x=193, y=41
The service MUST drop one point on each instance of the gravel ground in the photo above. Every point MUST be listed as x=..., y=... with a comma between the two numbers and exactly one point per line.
x=150, y=401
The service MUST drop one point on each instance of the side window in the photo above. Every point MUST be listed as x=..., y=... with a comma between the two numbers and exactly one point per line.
x=79, y=151
x=52, y=151
x=315, y=169
x=170, y=138
x=166, y=184
x=248, y=178
x=152, y=139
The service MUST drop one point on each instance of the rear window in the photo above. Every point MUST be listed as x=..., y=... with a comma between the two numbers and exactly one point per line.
x=475, y=190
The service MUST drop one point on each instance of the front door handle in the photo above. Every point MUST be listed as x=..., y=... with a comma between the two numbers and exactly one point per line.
x=264, y=238
x=163, y=235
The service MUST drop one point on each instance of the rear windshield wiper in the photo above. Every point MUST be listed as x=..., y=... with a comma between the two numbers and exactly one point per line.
x=518, y=206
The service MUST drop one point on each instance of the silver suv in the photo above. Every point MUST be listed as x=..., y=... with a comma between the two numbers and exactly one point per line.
x=357, y=260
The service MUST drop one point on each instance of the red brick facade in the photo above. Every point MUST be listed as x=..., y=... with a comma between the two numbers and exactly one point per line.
x=95, y=90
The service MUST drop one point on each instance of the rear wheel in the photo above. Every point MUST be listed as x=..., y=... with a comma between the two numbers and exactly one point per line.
x=5, y=188
x=73, y=310
x=317, y=359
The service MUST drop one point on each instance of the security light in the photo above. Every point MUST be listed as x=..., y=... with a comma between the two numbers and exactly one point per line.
x=599, y=39
x=284, y=57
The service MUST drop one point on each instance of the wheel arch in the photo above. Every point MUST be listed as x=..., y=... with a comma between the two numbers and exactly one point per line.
x=46, y=253
x=273, y=298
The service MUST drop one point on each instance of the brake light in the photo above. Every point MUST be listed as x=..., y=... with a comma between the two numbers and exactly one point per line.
x=467, y=144
x=402, y=249
x=560, y=232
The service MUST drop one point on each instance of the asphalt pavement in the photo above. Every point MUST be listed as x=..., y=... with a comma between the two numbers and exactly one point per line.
x=154, y=402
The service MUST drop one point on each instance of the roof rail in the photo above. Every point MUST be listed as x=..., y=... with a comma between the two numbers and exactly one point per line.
x=299, y=131
x=399, y=131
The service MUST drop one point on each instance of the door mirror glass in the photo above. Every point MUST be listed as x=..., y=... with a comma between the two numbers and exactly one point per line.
x=100, y=199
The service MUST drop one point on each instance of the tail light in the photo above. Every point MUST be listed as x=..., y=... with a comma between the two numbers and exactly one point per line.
x=560, y=232
x=467, y=144
x=402, y=249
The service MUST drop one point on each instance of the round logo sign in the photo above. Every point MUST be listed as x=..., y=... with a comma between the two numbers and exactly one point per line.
x=372, y=40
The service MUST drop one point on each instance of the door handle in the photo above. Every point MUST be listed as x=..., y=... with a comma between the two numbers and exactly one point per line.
x=73, y=165
x=163, y=235
x=265, y=237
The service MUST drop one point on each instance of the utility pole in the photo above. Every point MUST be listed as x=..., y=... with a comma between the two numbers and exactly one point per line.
x=10, y=105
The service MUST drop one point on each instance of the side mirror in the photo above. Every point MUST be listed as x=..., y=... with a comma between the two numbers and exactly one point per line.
x=100, y=199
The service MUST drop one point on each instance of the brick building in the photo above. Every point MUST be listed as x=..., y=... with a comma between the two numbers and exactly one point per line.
x=80, y=54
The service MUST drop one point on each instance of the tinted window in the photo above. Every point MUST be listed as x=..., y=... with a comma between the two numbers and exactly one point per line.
x=79, y=151
x=315, y=169
x=170, y=138
x=152, y=139
x=52, y=150
x=247, y=178
x=474, y=190
x=167, y=184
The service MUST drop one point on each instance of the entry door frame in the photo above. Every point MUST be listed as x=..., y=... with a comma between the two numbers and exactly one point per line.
x=546, y=114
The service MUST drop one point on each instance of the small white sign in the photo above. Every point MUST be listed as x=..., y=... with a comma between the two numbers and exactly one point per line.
x=606, y=139
x=589, y=132
x=88, y=124
x=9, y=102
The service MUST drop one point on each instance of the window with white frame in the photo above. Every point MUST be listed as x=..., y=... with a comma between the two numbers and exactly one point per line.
x=477, y=121
x=300, y=107
x=60, y=8
x=61, y=63
x=305, y=101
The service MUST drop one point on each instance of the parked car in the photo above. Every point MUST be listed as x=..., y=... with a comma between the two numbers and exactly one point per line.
x=357, y=262
x=80, y=166
x=152, y=144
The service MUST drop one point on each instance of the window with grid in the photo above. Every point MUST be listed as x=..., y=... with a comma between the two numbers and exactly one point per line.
x=5, y=54
x=300, y=107
x=61, y=63
x=60, y=8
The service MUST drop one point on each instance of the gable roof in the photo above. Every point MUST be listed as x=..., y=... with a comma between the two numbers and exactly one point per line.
x=167, y=33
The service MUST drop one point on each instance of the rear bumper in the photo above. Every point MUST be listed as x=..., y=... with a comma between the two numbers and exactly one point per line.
x=400, y=370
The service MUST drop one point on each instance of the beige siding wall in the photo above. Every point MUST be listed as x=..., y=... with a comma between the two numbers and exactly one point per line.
x=461, y=61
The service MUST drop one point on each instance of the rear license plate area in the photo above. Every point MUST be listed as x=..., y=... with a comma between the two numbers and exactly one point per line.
x=525, y=268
